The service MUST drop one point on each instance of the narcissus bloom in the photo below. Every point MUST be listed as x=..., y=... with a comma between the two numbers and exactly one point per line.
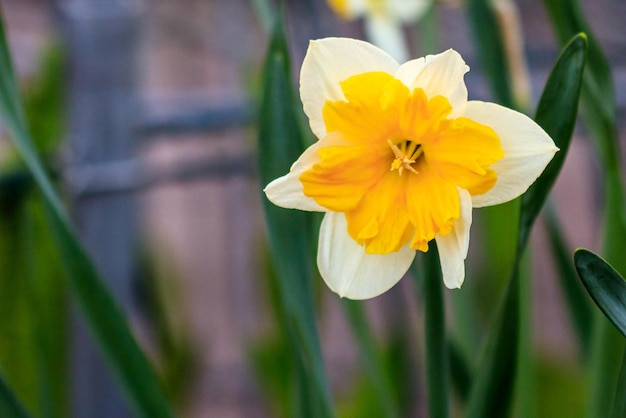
x=402, y=159
x=382, y=20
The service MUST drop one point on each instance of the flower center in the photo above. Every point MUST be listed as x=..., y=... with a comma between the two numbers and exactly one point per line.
x=406, y=154
x=393, y=162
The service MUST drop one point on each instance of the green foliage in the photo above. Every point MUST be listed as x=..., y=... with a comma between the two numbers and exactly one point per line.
x=270, y=359
x=10, y=407
x=493, y=386
x=560, y=389
x=491, y=50
x=598, y=110
x=556, y=114
x=608, y=290
x=18, y=357
x=160, y=288
x=371, y=360
x=107, y=322
x=280, y=144
x=605, y=285
x=44, y=101
x=598, y=95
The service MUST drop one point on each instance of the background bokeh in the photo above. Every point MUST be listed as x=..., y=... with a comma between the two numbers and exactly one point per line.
x=186, y=197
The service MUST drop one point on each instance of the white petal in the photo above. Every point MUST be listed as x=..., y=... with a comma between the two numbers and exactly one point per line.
x=328, y=62
x=407, y=10
x=348, y=270
x=386, y=32
x=527, y=151
x=453, y=247
x=287, y=191
x=357, y=7
x=440, y=74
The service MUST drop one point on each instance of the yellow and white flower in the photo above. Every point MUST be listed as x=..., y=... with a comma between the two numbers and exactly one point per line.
x=402, y=159
x=382, y=20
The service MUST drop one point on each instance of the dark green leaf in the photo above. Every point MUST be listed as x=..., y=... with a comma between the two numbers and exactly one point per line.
x=608, y=290
x=556, y=114
x=280, y=144
x=598, y=97
x=10, y=407
x=605, y=286
x=492, y=391
x=19, y=355
x=106, y=320
x=598, y=110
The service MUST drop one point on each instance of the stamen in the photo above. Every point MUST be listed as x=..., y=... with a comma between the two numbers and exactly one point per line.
x=406, y=155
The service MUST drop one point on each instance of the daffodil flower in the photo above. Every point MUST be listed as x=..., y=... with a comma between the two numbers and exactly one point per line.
x=382, y=20
x=402, y=159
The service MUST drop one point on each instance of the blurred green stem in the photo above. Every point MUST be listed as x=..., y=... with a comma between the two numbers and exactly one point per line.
x=525, y=362
x=606, y=349
x=428, y=31
x=619, y=405
x=370, y=358
x=265, y=13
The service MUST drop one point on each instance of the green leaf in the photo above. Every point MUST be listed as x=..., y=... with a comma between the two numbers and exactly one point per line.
x=605, y=286
x=598, y=104
x=106, y=321
x=290, y=232
x=371, y=360
x=619, y=404
x=460, y=371
x=493, y=387
x=608, y=290
x=488, y=39
x=10, y=407
x=556, y=114
x=598, y=111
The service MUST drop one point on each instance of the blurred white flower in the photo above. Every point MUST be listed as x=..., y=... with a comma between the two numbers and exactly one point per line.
x=382, y=20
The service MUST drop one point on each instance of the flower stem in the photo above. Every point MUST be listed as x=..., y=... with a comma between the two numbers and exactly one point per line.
x=435, y=337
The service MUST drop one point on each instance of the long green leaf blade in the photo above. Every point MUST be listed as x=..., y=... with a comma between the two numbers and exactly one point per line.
x=605, y=286
x=608, y=290
x=280, y=144
x=598, y=97
x=370, y=358
x=493, y=387
x=106, y=321
x=556, y=114
x=598, y=110
x=619, y=404
x=10, y=406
